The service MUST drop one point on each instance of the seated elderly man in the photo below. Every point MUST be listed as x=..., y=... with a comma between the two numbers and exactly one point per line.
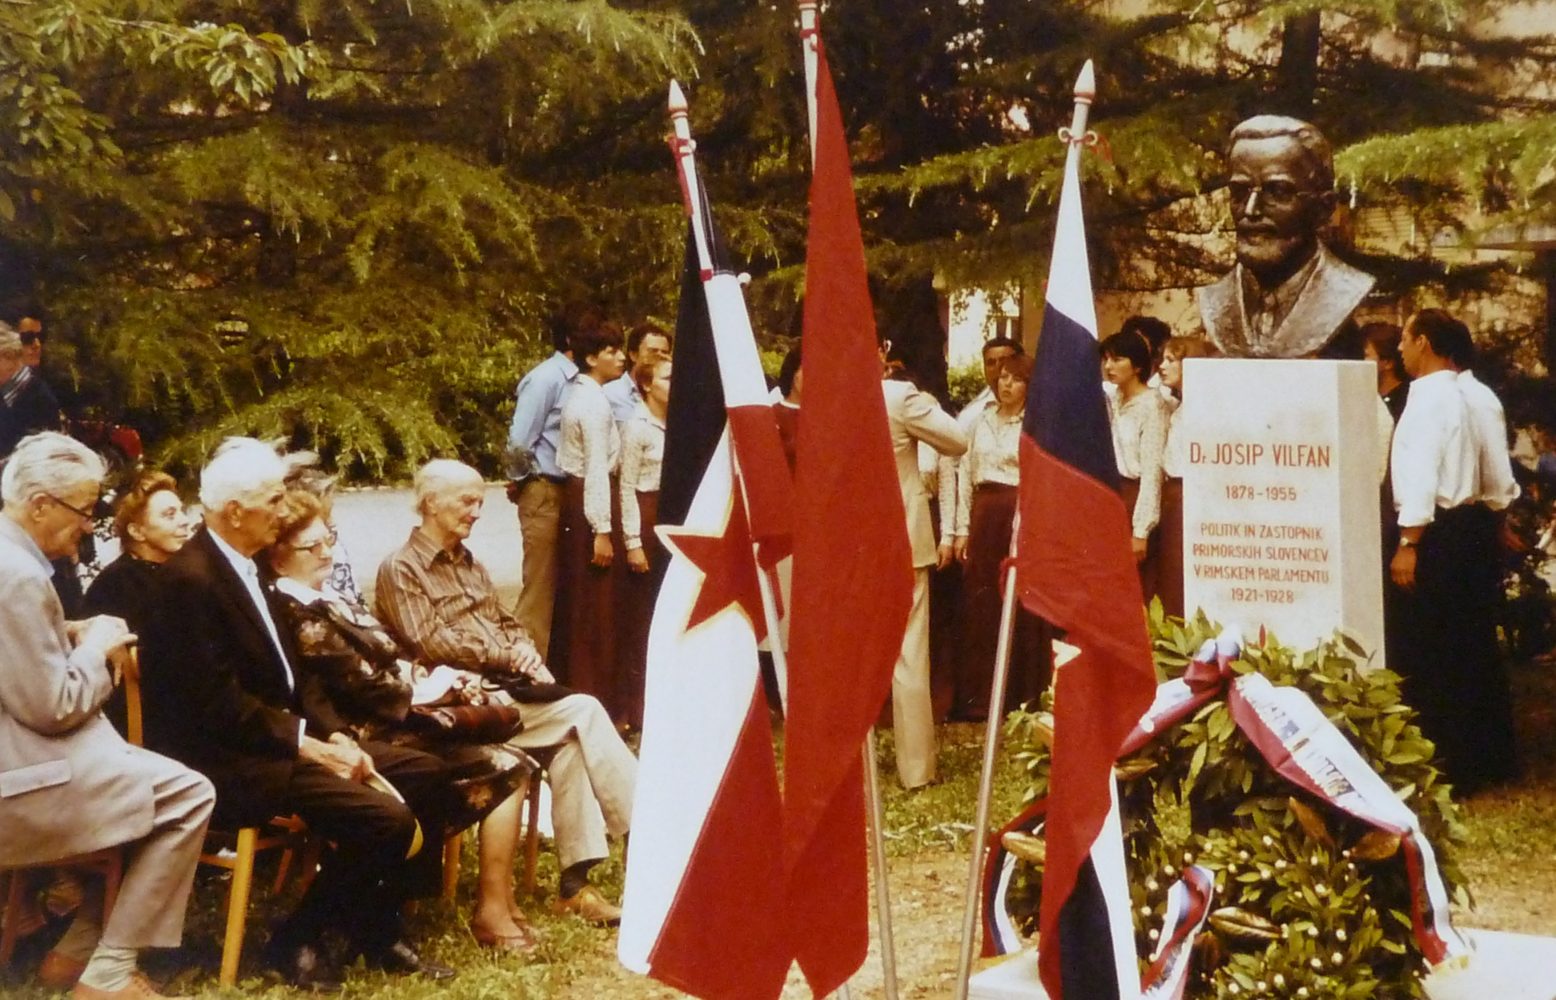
x=69, y=784
x=223, y=694
x=441, y=601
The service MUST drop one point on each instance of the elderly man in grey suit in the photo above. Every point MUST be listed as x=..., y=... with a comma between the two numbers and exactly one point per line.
x=913, y=416
x=69, y=784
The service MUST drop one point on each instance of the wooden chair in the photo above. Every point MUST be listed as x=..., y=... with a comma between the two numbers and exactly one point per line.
x=455, y=843
x=108, y=862
x=233, y=851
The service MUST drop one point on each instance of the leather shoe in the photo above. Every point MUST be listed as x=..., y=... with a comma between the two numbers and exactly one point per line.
x=304, y=967
x=591, y=905
x=401, y=959
x=59, y=972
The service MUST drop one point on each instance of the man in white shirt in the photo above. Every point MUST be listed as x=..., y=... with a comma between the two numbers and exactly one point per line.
x=1446, y=571
x=1488, y=421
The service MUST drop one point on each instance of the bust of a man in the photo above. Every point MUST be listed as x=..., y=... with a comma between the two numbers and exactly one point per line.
x=1288, y=295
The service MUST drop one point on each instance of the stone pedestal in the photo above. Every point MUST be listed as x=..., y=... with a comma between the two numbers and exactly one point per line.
x=1281, y=524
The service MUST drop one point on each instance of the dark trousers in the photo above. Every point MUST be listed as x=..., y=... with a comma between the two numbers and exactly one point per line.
x=1443, y=642
x=364, y=876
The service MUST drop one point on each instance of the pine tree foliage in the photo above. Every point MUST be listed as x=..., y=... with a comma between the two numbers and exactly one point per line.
x=257, y=214
x=342, y=222
x=1426, y=107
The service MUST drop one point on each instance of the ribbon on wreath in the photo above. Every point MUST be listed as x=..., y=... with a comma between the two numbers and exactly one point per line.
x=1294, y=737
x=1188, y=907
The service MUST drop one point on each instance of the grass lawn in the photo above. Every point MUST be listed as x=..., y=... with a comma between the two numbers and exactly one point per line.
x=1510, y=860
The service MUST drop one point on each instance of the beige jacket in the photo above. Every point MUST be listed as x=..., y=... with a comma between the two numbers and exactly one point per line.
x=69, y=783
x=915, y=416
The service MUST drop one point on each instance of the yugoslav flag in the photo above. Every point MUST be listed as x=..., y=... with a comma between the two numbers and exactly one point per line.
x=703, y=907
x=1075, y=568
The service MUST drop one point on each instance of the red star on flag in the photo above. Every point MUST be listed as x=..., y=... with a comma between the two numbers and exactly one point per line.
x=727, y=561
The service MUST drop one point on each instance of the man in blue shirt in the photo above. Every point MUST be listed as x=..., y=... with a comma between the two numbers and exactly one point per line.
x=535, y=484
x=647, y=345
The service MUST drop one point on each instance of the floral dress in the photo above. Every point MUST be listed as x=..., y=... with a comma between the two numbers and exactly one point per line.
x=369, y=682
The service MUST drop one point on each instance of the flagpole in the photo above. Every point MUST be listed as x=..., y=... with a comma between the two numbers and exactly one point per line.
x=991, y=737
x=810, y=34
x=1074, y=137
x=691, y=192
x=872, y=787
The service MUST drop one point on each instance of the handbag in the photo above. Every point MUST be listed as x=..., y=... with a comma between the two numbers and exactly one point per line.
x=466, y=723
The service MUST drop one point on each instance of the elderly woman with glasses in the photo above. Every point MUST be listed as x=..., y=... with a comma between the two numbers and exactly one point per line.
x=372, y=685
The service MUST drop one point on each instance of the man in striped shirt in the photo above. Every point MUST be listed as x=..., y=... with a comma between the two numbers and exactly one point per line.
x=442, y=603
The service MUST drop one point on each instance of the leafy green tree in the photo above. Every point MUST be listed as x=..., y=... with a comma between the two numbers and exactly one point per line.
x=343, y=222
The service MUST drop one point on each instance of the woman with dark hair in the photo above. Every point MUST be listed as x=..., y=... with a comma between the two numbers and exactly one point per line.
x=583, y=650
x=1380, y=345
x=642, y=458
x=371, y=683
x=1174, y=461
x=1139, y=418
x=988, y=477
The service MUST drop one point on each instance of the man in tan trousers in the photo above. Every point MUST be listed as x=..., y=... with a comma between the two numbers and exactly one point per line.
x=914, y=416
x=69, y=784
x=441, y=602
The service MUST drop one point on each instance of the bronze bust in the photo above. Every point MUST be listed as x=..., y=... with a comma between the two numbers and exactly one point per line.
x=1288, y=295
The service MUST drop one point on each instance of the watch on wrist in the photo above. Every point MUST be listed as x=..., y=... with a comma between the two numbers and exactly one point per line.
x=1407, y=543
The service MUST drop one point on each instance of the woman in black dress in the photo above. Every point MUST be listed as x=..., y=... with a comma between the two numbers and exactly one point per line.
x=151, y=525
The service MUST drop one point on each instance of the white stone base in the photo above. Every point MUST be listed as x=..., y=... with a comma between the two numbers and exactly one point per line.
x=1506, y=967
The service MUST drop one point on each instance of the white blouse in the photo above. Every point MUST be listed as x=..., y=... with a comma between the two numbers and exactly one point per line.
x=1139, y=440
x=993, y=456
x=642, y=460
x=590, y=448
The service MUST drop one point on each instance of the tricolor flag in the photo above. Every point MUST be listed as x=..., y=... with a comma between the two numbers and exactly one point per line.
x=703, y=908
x=1075, y=568
x=853, y=576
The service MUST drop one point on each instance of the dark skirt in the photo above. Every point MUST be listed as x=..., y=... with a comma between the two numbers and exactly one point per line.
x=1149, y=568
x=1443, y=643
x=634, y=610
x=1031, y=651
x=1169, y=536
x=583, y=623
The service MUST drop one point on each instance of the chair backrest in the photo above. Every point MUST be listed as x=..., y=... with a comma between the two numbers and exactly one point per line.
x=134, y=731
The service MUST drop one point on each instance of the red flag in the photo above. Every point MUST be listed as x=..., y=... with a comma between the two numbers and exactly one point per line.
x=853, y=576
